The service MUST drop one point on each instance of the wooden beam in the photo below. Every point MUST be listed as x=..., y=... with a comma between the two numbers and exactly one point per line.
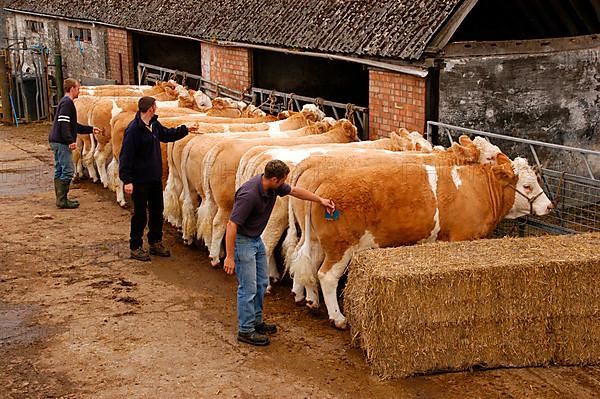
x=443, y=36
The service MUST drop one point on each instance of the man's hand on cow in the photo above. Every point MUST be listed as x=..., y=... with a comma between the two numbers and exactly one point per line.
x=128, y=188
x=328, y=204
x=96, y=130
x=72, y=146
x=229, y=265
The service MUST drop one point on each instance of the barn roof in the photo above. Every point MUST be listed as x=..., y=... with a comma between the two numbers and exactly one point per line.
x=394, y=29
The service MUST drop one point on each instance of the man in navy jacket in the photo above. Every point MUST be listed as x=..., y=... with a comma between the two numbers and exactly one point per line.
x=140, y=169
x=62, y=138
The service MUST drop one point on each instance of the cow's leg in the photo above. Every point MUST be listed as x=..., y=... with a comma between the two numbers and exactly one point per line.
x=100, y=156
x=77, y=158
x=88, y=159
x=219, y=227
x=121, y=193
x=298, y=292
x=329, y=275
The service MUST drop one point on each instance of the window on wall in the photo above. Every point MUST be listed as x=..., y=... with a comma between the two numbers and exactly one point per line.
x=34, y=26
x=81, y=34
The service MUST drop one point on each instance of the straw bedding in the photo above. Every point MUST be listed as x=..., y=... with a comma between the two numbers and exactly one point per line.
x=488, y=303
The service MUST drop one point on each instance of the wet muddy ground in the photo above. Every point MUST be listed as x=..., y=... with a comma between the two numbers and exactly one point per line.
x=79, y=319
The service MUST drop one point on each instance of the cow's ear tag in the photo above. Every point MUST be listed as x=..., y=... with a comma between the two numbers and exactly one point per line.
x=332, y=216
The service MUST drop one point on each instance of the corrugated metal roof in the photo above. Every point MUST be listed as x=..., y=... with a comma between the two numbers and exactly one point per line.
x=398, y=29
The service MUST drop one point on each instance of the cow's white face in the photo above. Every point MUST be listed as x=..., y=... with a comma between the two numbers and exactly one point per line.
x=419, y=143
x=487, y=151
x=528, y=186
x=202, y=100
x=313, y=110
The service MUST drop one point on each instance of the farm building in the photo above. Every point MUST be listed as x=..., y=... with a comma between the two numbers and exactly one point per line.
x=407, y=62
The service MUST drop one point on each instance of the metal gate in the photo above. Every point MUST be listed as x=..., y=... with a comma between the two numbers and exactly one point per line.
x=569, y=176
x=29, y=89
x=150, y=74
x=274, y=101
x=268, y=100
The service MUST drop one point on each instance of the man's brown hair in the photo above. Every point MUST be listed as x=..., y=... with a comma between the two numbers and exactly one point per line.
x=276, y=168
x=69, y=83
x=145, y=103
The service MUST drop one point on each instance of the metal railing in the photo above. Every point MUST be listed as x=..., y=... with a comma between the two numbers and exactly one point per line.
x=569, y=176
x=271, y=101
x=150, y=74
x=275, y=101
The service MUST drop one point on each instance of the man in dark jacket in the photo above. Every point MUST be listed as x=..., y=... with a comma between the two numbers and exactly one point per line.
x=62, y=138
x=140, y=169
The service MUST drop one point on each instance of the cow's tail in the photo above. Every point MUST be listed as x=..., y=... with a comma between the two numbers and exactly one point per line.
x=110, y=174
x=245, y=162
x=188, y=211
x=291, y=238
x=207, y=208
x=302, y=262
x=172, y=211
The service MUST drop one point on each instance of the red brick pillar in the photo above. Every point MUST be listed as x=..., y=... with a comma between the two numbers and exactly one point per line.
x=396, y=100
x=229, y=66
x=120, y=55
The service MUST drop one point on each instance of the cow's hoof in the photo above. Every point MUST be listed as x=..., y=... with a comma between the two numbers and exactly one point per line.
x=105, y=185
x=269, y=290
x=215, y=263
x=339, y=324
x=122, y=204
x=275, y=279
x=312, y=305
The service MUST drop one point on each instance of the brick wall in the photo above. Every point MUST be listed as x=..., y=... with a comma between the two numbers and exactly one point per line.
x=229, y=66
x=119, y=42
x=395, y=100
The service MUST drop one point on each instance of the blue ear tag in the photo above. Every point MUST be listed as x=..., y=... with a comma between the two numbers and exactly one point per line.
x=332, y=216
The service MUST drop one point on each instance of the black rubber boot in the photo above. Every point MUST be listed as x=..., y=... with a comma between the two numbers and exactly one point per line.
x=57, y=192
x=61, y=199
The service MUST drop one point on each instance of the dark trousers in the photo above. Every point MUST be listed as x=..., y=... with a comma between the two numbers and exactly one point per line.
x=147, y=198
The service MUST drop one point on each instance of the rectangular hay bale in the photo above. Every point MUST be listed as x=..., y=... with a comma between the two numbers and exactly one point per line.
x=488, y=303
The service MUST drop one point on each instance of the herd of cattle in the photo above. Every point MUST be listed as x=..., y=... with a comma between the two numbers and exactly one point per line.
x=389, y=192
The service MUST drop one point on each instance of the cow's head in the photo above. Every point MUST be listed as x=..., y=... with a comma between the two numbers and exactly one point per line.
x=530, y=198
x=203, y=102
x=312, y=113
x=411, y=141
x=252, y=111
x=465, y=152
x=487, y=151
x=350, y=130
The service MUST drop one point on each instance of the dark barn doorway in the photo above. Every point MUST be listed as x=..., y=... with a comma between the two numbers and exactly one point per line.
x=340, y=81
x=167, y=52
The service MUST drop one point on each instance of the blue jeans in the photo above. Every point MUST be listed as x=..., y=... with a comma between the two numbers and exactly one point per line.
x=251, y=271
x=63, y=162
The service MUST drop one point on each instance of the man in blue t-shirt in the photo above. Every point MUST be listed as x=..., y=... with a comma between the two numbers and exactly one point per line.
x=254, y=201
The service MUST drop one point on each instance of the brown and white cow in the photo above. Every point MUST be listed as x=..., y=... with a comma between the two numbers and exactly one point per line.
x=221, y=166
x=195, y=221
x=174, y=187
x=407, y=203
x=192, y=167
x=310, y=172
x=254, y=161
